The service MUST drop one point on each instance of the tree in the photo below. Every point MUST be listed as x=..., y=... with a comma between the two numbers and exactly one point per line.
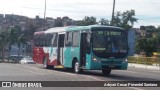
x=125, y=19
x=4, y=39
x=20, y=40
x=87, y=21
x=150, y=30
x=146, y=45
x=104, y=21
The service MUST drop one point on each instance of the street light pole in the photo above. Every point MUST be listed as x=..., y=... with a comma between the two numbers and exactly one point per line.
x=44, y=16
x=113, y=12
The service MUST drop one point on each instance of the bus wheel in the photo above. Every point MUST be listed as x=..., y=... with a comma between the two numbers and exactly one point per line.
x=106, y=71
x=45, y=65
x=76, y=68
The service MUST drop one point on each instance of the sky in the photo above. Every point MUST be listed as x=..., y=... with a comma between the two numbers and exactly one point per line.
x=147, y=11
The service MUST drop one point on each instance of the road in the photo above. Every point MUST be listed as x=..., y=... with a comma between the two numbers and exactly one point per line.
x=35, y=72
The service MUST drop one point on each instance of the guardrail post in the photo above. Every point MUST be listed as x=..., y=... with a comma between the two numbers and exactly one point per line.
x=146, y=61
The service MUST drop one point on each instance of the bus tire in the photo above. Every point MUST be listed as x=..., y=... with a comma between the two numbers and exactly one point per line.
x=106, y=71
x=45, y=64
x=76, y=68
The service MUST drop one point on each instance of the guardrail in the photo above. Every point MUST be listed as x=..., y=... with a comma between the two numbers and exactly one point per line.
x=144, y=60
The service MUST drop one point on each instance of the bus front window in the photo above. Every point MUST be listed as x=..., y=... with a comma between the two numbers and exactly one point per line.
x=108, y=43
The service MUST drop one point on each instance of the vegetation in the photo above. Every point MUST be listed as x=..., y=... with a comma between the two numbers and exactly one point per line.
x=9, y=37
x=125, y=20
x=150, y=42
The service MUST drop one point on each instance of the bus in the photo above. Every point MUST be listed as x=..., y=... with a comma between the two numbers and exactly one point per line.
x=93, y=47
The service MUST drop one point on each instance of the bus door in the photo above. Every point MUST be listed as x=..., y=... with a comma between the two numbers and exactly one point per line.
x=83, y=47
x=60, y=51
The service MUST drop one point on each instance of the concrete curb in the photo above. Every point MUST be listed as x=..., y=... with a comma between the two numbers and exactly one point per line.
x=153, y=67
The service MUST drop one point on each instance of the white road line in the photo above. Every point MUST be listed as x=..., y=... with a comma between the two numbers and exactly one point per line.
x=94, y=78
x=127, y=71
x=156, y=71
x=50, y=71
x=29, y=71
x=31, y=67
x=15, y=74
x=135, y=88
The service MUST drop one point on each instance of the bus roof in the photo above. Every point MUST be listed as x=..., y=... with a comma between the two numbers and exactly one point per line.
x=76, y=28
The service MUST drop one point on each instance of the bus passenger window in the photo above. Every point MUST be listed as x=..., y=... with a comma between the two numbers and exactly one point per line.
x=54, y=40
x=68, y=39
x=75, y=39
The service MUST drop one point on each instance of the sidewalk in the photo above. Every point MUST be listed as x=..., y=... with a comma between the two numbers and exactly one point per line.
x=153, y=67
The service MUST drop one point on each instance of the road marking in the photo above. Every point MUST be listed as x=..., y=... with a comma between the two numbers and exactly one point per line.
x=50, y=71
x=31, y=67
x=30, y=71
x=62, y=73
x=14, y=74
x=156, y=71
x=93, y=78
x=126, y=71
x=135, y=88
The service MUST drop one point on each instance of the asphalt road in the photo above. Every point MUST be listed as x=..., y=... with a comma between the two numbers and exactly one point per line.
x=35, y=72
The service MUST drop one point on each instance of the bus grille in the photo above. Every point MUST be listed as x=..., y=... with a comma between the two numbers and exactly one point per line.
x=111, y=62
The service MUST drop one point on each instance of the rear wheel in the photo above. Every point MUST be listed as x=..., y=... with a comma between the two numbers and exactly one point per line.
x=76, y=68
x=106, y=71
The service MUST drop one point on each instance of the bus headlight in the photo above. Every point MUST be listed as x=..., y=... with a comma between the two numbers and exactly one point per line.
x=94, y=59
x=125, y=61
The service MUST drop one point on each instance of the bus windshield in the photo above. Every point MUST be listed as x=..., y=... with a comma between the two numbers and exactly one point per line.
x=109, y=43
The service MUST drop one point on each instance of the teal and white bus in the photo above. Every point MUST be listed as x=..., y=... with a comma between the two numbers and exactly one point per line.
x=94, y=47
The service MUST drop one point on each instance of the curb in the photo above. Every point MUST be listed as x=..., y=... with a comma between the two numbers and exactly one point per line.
x=134, y=65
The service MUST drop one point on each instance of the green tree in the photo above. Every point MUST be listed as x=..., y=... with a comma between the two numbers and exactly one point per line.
x=87, y=21
x=104, y=21
x=146, y=45
x=21, y=40
x=4, y=39
x=150, y=30
x=125, y=19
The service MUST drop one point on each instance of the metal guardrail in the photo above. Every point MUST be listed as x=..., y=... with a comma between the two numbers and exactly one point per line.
x=144, y=60
x=148, y=61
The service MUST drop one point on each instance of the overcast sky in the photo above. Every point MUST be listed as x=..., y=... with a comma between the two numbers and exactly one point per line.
x=147, y=11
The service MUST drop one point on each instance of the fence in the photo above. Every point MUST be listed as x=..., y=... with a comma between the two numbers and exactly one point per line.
x=144, y=60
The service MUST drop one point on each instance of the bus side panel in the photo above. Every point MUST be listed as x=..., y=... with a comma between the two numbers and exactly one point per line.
x=75, y=53
x=88, y=61
x=38, y=53
x=67, y=57
x=51, y=54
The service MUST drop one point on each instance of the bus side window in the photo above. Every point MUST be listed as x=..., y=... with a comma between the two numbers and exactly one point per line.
x=36, y=40
x=88, y=46
x=48, y=39
x=42, y=40
x=54, y=40
x=68, y=39
x=75, y=39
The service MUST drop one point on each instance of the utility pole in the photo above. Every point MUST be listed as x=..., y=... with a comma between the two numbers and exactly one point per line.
x=44, y=16
x=113, y=12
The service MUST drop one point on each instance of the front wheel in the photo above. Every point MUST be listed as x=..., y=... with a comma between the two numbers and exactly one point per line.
x=76, y=68
x=106, y=71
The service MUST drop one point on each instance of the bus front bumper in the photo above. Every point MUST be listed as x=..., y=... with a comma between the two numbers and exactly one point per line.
x=112, y=64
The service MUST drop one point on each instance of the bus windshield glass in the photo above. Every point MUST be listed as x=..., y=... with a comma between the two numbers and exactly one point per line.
x=109, y=43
